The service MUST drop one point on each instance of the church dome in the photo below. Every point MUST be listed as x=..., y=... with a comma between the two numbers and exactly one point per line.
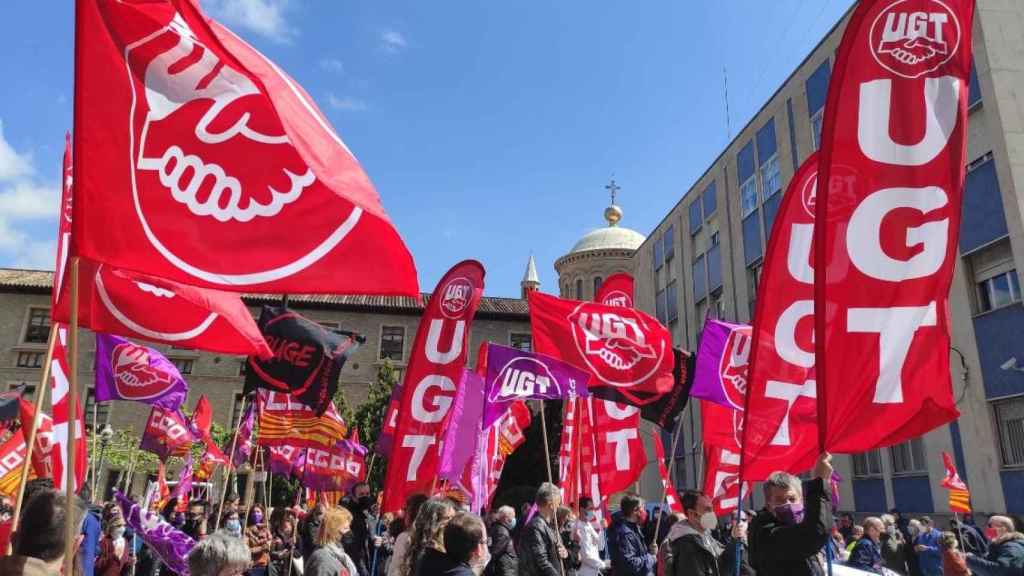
x=611, y=237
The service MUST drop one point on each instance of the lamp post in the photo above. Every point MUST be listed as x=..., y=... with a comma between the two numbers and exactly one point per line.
x=106, y=434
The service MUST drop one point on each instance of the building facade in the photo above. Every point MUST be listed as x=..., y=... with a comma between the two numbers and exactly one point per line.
x=706, y=256
x=388, y=323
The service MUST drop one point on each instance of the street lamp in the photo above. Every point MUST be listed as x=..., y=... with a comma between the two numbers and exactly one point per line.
x=1011, y=364
x=106, y=434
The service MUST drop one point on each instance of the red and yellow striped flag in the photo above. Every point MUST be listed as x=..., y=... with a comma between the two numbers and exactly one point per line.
x=959, y=495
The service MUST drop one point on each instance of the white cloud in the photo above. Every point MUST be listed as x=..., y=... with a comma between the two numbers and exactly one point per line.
x=264, y=17
x=346, y=103
x=332, y=65
x=25, y=199
x=392, y=41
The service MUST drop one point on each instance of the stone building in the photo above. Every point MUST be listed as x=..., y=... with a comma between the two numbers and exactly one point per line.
x=388, y=323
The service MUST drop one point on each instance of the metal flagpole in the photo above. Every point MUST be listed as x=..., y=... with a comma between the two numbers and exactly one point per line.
x=92, y=453
x=44, y=385
x=69, y=458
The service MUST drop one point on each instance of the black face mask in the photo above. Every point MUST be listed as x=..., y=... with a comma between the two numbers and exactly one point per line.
x=364, y=502
x=348, y=539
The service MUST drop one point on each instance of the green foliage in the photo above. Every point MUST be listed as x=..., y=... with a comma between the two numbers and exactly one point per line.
x=368, y=417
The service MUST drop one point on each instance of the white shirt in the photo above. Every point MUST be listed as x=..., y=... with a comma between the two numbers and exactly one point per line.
x=590, y=550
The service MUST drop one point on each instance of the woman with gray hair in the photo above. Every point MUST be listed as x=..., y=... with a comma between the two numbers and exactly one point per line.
x=219, y=554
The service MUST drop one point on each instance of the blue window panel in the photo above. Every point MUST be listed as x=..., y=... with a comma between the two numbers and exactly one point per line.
x=983, y=218
x=714, y=267
x=710, y=200
x=792, y=134
x=696, y=219
x=659, y=254
x=670, y=242
x=700, y=279
x=817, y=88
x=958, y=451
x=766, y=144
x=745, y=162
x=869, y=495
x=771, y=208
x=912, y=494
x=672, y=301
x=1013, y=490
x=751, y=238
x=974, y=87
x=1000, y=331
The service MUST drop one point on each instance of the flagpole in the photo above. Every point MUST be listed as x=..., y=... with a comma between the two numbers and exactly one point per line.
x=44, y=385
x=69, y=459
x=578, y=417
x=131, y=471
x=670, y=486
x=960, y=532
x=547, y=450
x=231, y=464
x=92, y=455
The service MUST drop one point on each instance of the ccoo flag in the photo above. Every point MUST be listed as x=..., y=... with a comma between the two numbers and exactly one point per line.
x=200, y=161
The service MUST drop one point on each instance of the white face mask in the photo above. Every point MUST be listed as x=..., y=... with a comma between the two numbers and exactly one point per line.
x=479, y=564
x=708, y=521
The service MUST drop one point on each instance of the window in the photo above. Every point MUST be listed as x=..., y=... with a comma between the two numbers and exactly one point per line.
x=30, y=359
x=908, y=457
x=984, y=218
x=659, y=307
x=713, y=239
x=243, y=366
x=710, y=201
x=696, y=217
x=867, y=464
x=236, y=409
x=746, y=176
x=521, y=341
x=671, y=302
x=392, y=343
x=659, y=254
x=700, y=279
x=38, y=329
x=670, y=242
x=102, y=409
x=974, y=88
x=184, y=365
x=771, y=179
x=998, y=291
x=597, y=284
x=817, y=92
x=714, y=259
x=767, y=148
x=1010, y=420
x=816, y=121
x=579, y=289
x=753, y=278
x=751, y=239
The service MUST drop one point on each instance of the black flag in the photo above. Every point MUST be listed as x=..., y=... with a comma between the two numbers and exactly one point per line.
x=661, y=409
x=307, y=357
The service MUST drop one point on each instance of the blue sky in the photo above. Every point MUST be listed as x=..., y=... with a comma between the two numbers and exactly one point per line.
x=489, y=128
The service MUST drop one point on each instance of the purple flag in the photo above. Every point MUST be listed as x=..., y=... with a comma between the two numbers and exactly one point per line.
x=171, y=545
x=464, y=426
x=721, y=373
x=243, y=446
x=514, y=374
x=128, y=371
x=184, y=485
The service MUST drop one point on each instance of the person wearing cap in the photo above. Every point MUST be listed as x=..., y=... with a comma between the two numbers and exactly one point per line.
x=115, y=557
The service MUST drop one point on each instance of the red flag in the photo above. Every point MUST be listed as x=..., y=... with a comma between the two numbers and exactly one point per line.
x=895, y=130
x=959, y=495
x=780, y=428
x=202, y=421
x=12, y=457
x=618, y=445
x=62, y=421
x=671, y=496
x=285, y=421
x=622, y=348
x=200, y=161
x=41, y=463
x=616, y=290
x=167, y=433
x=63, y=227
x=435, y=366
x=722, y=479
x=503, y=437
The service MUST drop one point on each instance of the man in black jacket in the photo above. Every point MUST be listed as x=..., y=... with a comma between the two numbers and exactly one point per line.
x=786, y=538
x=540, y=548
x=504, y=561
x=694, y=551
x=630, y=554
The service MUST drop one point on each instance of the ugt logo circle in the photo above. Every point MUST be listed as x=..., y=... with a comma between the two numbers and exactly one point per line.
x=135, y=377
x=209, y=155
x=455, y=297
x=911, y=39
x=615, y=345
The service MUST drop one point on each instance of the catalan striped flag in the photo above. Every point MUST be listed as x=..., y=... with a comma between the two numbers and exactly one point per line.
x=12, y=456
x=285, y=421
x=959, y=495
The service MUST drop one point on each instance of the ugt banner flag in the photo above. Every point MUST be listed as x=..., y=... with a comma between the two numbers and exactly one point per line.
x=200, y=161
x=896, y=126
x=127, y=371
x=514, y=374
x=616, y=290
x=721, y=373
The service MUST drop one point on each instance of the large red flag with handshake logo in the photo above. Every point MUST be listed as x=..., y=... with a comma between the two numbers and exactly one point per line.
x=416, y=421
x=200, y=161
x=894, y=136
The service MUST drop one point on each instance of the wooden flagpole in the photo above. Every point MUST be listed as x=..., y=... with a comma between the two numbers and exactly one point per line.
x=92, y=453
x=70, y=529
x=547, y=450
x=672, y=466
x=228, y=468
x=44, y=385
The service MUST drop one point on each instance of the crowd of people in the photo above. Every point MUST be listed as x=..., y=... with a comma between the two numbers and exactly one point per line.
x=794, y=534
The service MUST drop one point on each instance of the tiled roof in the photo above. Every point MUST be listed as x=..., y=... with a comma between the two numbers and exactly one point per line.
x=41, y=281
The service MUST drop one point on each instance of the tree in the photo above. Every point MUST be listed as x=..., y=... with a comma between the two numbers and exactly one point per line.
x=368, y=417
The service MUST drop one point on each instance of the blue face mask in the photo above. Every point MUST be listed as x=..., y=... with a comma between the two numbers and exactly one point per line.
x=512, y=524
x=234, y=527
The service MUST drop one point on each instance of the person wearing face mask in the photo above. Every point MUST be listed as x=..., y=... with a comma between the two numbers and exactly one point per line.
x=787, y=536
x=867, y=552
x=973, y=540
x=566, y=523
x=232, y=524
x=1005, y=552
x=591, y=563
x=115, y=558
x=692, y=549
x=361, y=543
x=330, y=559
x=630, y=554
x=504, y=561
x=540, y=548
x=257, y=537
x=465, y=545
x=926, y=545
x=894, y=547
